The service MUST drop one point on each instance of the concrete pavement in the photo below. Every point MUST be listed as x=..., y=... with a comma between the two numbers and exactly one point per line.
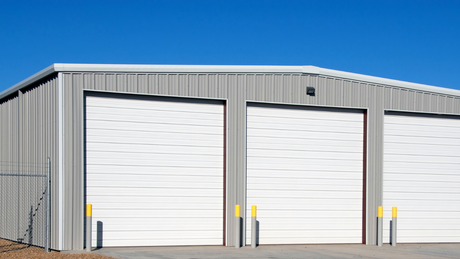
x=403, y=251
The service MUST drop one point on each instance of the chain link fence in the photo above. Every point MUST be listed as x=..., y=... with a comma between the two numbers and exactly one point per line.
x=24, y=205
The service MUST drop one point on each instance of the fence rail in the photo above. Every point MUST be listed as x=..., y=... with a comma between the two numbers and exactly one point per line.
x=25, y=203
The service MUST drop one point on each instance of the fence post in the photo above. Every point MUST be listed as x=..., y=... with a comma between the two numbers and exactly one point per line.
x=237, y=226
x=393, y=227
x=380, y=226
x=89, y=215
x=254, y=226
x=48, y=202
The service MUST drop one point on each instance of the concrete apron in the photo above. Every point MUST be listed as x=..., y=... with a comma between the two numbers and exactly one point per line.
x=403, y=251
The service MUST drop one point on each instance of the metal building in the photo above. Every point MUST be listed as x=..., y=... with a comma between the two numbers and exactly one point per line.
x=165, y=152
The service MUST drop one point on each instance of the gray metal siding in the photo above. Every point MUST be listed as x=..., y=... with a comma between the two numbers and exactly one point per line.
x=9, y=152
x=39, y=137
x=239, y=89
x=29, y=134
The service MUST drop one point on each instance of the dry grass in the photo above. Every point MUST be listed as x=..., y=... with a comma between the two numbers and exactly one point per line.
x=10, y=249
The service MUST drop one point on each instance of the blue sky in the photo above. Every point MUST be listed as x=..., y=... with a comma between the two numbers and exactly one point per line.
x=416, y=41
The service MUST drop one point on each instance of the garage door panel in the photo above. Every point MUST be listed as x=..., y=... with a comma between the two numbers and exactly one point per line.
x=155, y=184
x=152, y=138
x=275, y=202
x=421, y=165
x=423, y=159
x=153, y=168
x=288, y=125
x=324, y=173
x=321, y=147
x=299, y=134
x=421, y=139
x=156, y=155
x=303, y=182
x=310, y=240
x=154, y=214
x=157, y=203
x=423, y=131
x=162, y=241
x=421, y=224
x=432, y=187
x=421, y=196
x=304, y=193
x=142, y=171
x=304, y=168
x=172, y=224
x=142, y=103
x=298, y=164
x=155, y=192
x=149, y=178
x=150, y=162
x=136, y=127
x=165, y=149
x=422, y=150
x=146, y=116
x=287, y=155
x=158, y=234
x=423, y=168
x=298, y=112
x=301, y=187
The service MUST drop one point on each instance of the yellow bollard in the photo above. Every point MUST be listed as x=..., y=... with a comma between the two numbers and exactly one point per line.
x=380, y=226
x=254, y=226
x=237, y=226
x=89, y=215
x=393, y=226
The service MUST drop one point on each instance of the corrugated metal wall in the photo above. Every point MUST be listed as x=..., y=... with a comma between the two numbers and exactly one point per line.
x=238, y=89
x=9, y=139
x=29, y=134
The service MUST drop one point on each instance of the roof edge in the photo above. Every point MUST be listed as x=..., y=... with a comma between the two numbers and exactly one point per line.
x=65, y=67
x=31, y=79
x=380, y=80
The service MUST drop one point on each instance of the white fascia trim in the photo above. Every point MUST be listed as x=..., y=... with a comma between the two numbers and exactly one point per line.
x=176, y=68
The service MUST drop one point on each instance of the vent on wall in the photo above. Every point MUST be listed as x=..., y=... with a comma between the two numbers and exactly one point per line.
x=311, y=91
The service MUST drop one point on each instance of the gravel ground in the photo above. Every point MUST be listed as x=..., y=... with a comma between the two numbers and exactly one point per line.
x=10, y=249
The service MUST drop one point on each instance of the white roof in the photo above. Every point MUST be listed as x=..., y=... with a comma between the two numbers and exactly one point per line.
x=222, y=69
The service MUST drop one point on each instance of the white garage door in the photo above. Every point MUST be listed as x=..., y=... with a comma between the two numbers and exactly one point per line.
x=422, y=178
x=305, y=174
x=155, y=171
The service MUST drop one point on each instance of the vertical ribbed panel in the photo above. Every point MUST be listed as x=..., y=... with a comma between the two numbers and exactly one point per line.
x=9, y=143
x=456, y=105
x=34, y=116
x=132, y=85
x=237, y=89
x=387, y=97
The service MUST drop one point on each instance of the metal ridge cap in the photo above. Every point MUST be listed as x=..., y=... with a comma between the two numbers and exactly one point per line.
x=35, y=77
x=381, y=80
x=177, y=68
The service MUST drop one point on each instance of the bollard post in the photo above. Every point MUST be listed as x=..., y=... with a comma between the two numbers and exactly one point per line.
x=89, y=215
x=254, y=226
x=237, y=226
x=380, y=226
x=393, y=226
